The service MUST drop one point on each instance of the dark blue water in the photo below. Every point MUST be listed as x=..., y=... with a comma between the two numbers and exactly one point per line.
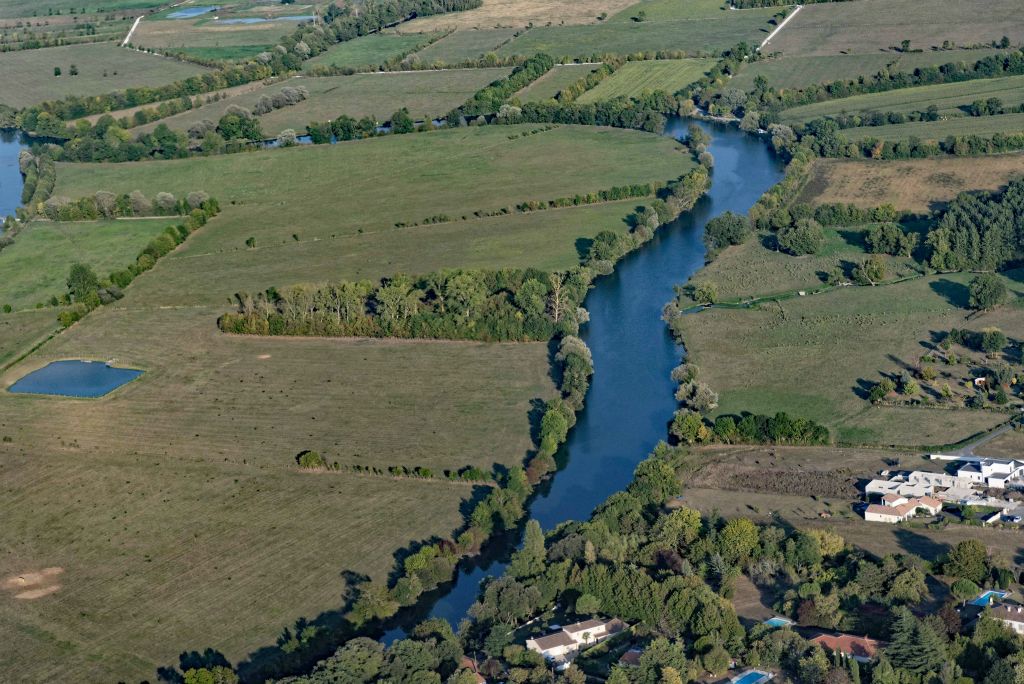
x=11, y=182
x=263, y=20
x=631, y=398
x=75, y=379
x=190, y=12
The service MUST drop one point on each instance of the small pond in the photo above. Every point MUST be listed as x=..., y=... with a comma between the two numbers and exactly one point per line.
x=75, y=379
x=263, y=20
x=190, y=12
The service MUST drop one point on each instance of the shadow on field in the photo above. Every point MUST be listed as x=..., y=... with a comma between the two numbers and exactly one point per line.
x=583, y=245
x=955, y=293
x=919, y=545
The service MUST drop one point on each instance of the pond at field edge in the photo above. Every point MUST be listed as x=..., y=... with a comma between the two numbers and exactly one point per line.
x=192, y=12
x=264, y=20
x=72, y=378
x=12, y=142
x=631, y=398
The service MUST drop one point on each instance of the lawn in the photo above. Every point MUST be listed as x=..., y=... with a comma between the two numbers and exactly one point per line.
x=952, y=99
x=983, y=126
x=269, y=196
x=425, y=93
x=102, y=68
x=634, y=78
x=799, y=72
x=917, y=185
x=696, y=35
x=868, y=26
x=464, y=45
x=815, y=356
x=370, y=50
x=36, y=266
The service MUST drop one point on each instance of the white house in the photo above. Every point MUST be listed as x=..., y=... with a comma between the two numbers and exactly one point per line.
x=563, y=646
x=992, y=472
x=1011, y=616
x=895, y=508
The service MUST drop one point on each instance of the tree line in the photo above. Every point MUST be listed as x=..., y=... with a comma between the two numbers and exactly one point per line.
x=980, y=232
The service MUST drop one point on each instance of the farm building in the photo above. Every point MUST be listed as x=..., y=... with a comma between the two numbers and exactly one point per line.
x=895, y=508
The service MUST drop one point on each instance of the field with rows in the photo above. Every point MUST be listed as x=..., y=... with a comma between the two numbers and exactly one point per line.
x=983, y=126
x=634, y=78
x=370, y=50
x=464, y=45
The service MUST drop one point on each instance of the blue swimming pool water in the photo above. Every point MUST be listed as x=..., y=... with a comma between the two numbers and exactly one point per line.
x=988, y=597
x=778, y=621
x=189, y=12
x=75, y=379
x=262, y=20
x=752, y=677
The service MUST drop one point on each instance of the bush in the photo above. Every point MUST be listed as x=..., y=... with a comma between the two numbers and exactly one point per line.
x=310, y=460
x=804, y=237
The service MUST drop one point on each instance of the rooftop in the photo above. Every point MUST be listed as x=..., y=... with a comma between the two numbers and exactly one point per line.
x=859, y=647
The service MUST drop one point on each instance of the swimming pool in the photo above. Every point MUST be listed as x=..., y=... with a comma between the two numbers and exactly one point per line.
x=75, y=379
x=778, y=621
x=989, y=598
x=752, y=677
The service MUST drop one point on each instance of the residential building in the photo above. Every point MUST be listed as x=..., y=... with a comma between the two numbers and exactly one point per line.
x=557, y=647
x=631, y=658
x=1012, y=616
x=562, y=646
x=895, y=508
x=861, y=649
x=992, y=472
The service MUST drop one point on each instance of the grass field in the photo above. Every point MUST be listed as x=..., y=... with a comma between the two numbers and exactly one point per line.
x=871, y=25
x=950, y=98
x=203, y=33
x=814, y=356
x=40, y=8
x=671, y=10
x=633, y=78
x=552, y=83
x=369, y=50
x=694, y=35
x=36, y=266
x=425, y=93
x=68, y=29
x=353, y=232
x=102, y=68
x=799, y=72
x=984, y=126
x=519, y=13
x=917, y=185
x=22, y=330
x=464, y=45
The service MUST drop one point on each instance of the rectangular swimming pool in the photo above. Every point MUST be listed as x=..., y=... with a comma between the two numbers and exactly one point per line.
x=990, y=597
x=752, y=677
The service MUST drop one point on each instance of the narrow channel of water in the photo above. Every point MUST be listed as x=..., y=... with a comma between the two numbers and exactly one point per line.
x=631, y=397
x=12, y=142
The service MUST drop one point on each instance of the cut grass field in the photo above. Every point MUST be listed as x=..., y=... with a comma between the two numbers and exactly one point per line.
x=426, y=94
x=868, y=26
x=41, y=8
x=696, y=35
x=982, y=126
x=370, y=50
x=915, y=185
x=36, y=266
x=464, y=45
x=634, y=78
x=102, y=68
x=799, y=72
x=268, y=196
x=671, y=10
x=552, y=83
x=22, y=330
x=950, y=98
x=815, y=356
x=519, y=13
x=190, y=34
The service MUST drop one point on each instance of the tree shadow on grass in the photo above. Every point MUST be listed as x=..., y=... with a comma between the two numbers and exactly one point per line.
x=919, y=544
x=583, y=245
x=955, y=293
x=862, y=388
x=854, y=238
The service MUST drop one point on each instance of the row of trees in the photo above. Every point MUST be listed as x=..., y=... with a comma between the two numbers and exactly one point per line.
x=109, y=205
x=489, y=99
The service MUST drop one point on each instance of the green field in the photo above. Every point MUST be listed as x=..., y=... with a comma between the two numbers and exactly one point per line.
x=950, y=98
x=697, y=35
x=20, y=331
x=370, y=50
x=867, y=26
x=634, y=78
x=66, y=29
x=425, y=93
x=671, y=10
x=464, y=45
x=984, y=126
x=36, y=266
x=552, y=83
x=446, y=172
x=185, y=34
x=800, y=72
x=102, y=68
x=41, y=8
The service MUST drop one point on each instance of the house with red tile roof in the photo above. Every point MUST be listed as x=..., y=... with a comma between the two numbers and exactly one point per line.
x=895, y=508
x=862, y=649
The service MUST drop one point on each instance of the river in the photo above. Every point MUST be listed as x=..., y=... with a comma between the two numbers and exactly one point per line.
x=11, y=143
x=631, y=397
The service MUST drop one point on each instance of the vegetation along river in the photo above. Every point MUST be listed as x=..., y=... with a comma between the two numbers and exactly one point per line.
x=631, y=398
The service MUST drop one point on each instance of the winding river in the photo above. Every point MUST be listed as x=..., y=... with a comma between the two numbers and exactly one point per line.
x=631, y=397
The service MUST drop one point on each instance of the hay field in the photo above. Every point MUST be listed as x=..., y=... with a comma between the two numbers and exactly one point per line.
x=268, y=196
x=952, y=99
x=371, y=50
x=983, y=126
x=21, y=330
x=633, y=78
x=36, y=266
x=102, y=68
x=813, y=356
x=518, y=13
x=694, y=35
x=552, y=83
x=802, y=71
x=672, y=10
x=464, y=45
x=916, y=185
x=426, y=94
x=870, y=26
x=40, y=8
x=200, y=33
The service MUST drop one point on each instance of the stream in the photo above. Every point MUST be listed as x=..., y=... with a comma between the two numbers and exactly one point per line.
x=12, y=142
x=631, y=397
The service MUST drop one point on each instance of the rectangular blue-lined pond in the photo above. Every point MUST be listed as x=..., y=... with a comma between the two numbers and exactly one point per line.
x=75, y=379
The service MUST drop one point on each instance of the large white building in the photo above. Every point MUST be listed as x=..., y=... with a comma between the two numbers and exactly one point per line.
x=562, y=646
x=1011, y=616
x=992, y=472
